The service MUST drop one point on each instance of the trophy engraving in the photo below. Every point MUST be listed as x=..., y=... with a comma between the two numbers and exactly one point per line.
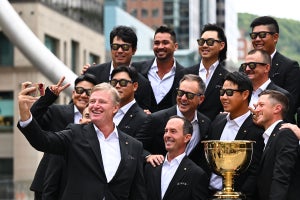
x=228, y=159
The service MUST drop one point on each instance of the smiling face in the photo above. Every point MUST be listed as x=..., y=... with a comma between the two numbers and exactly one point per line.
x=127, y=92
x=81, y=100
x=119, y=56
x=237, y=104
x=163, y=46
x=188, y=106
x=102, y=107
x=268, y=43
x=174, y=138
x=211, y=52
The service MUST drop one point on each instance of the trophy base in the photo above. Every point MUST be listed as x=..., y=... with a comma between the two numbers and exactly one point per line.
x=228, y=196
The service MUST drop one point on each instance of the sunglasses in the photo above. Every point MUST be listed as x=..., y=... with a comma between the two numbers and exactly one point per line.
x=251, y=65
x=125, y=47
x=261, y=34
x=209, y=41
x=81, y=90
x=122, y=82
x=229, y=92
x=189, y=95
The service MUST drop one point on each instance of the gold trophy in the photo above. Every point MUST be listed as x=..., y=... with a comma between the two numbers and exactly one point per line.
x=227, y=159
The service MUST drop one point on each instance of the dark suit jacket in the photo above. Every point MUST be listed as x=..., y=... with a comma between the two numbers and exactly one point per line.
x=189, y=182
x=279, y=176
x=52, y=118
x=246, y=181
x=102, y=73
x=290, y=116
x=86, y=177
x=132, y=120
x=211, y=106
x=152, y=131
x=170, y=98
x=285, y=73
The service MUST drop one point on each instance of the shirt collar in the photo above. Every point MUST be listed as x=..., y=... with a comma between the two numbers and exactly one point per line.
x=177, y=159
x=195, y=119
x=239, y=120
x=272, y=55
x=154, y=65
x=265, y=85
x=126, y=107
x=211, y=68
x=271, y=128
x=114, y=133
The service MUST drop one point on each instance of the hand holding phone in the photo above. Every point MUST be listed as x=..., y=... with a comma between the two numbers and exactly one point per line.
x=39, y=89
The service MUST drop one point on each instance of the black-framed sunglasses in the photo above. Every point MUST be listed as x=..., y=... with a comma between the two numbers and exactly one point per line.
x=251, y=65
x=189, y=95
x=209, y=41
x=261, y=34
x=229, y=92
x=125, y=47
x=81, y=90
x=122, y=82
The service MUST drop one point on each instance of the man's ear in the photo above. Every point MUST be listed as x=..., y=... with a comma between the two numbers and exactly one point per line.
x=187, y=137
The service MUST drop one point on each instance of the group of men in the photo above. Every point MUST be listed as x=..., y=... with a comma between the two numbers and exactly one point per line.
x=147, y=121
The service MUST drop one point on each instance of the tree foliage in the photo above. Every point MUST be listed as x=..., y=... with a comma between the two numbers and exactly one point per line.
x=289, y=41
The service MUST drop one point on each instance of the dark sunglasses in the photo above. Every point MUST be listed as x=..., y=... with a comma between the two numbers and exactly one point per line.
x=122, y=82
x=261, y=34
x=81, y=90
x=125, y=47
x=209, y=41
x=229, y=92
x=251, y=65
x=189, y=95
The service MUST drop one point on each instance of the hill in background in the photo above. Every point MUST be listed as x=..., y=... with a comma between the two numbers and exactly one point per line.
x=289, y=31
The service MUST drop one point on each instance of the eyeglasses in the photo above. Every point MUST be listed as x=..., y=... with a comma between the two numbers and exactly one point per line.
x=229, y=92
x=81, y=90
x=251, y=65
x=261, y=34
x=209, y=41
x=122, y=82
x=125, y=47
x=189, y=95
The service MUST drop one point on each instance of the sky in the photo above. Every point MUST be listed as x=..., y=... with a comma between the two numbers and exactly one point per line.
x=282, y=9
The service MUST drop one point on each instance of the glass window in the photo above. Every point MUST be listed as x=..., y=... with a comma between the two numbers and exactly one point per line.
x=155, y=12
x=94, y=58
x=6, y=112
x=75, y=55
x=6, y=51
x=144, y=13
x=52, y=44
x=6, y=176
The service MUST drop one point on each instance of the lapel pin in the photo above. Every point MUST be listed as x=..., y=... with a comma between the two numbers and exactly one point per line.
x=126, y=142
x=184, y=169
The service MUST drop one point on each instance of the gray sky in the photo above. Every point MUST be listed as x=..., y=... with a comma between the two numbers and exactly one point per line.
x=282, y=9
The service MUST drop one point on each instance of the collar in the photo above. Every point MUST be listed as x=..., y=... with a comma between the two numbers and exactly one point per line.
x=265, y=85
x=195, y=119
x=113, y=134
x=211, y=68
x=177, y=159
x=272, y=55
x=154, y=65
x=126, y=107
x=271, y=128
x=239, y=120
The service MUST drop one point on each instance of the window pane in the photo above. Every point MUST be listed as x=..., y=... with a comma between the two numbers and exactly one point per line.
x=6, y=51
x=6, y=112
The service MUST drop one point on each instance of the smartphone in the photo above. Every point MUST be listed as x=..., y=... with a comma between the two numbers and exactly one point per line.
x=39, y=90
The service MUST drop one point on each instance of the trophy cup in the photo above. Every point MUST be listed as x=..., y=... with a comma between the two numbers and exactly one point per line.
x=227, y=159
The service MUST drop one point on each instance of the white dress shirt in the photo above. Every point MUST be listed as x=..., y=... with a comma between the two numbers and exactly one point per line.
x=77, y=115
x=162, y=86
x=206, y=75
x=229, y=133
x=167, y=172
x=268, y=132
x=196, y=133
x=110, y=152
x=122, y=111
x=254, y=95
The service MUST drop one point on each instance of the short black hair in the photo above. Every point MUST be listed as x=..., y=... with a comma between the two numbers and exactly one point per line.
x=126, y=33
x=221, y=36
x=165, y=29
x=187, y=125
x=241, y=79
x=267, y=21
x=86, y=77
x=131, y=71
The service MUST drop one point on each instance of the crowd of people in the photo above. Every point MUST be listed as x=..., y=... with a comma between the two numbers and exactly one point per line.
x=134, y=130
